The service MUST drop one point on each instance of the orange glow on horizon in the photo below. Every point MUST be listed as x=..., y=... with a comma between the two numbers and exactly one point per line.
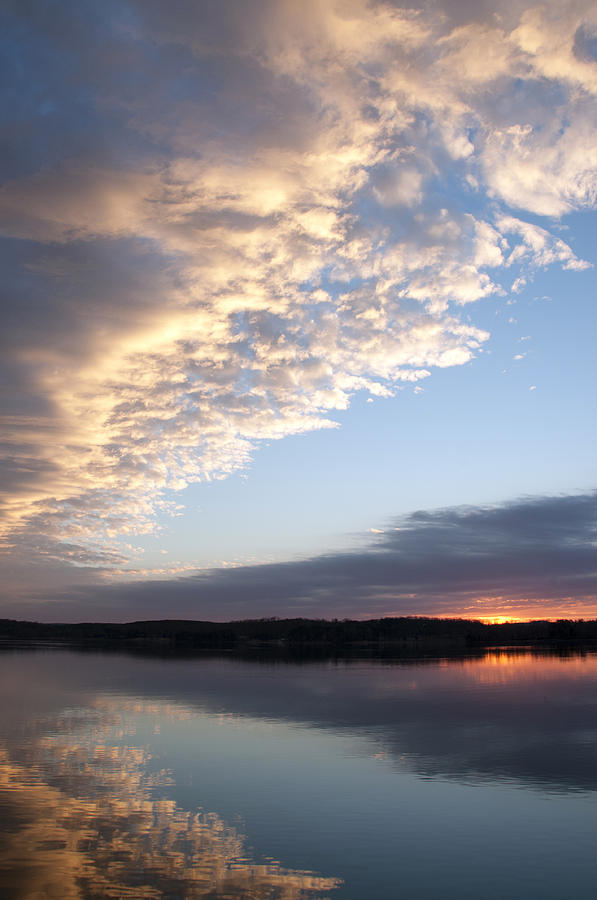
x=499, y=618
x=503, y=610
x=502, y=620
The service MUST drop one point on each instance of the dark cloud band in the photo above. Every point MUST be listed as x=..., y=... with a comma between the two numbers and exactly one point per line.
x=521, y=557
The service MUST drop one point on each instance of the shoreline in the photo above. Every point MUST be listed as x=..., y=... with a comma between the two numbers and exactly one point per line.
x=287, y=636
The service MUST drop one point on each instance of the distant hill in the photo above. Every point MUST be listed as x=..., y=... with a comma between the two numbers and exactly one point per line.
x=345, y=633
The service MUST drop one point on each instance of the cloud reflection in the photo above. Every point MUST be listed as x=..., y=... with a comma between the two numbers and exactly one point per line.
x=516, y=715
x=79, y=820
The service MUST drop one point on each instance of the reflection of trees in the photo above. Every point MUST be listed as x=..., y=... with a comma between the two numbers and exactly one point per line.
x=79, y=823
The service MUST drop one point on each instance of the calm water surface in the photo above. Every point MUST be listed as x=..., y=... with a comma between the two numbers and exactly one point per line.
x=138, y=777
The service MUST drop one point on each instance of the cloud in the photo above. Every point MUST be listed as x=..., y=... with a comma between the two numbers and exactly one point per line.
x=241, y=217
x=522, y=558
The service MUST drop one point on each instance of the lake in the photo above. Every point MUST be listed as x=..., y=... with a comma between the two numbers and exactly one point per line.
x=132, y=776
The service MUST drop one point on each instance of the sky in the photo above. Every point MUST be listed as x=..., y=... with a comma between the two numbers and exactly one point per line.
x=298, y=309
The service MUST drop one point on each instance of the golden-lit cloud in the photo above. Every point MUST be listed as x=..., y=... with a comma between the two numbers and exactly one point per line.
x=263, y=230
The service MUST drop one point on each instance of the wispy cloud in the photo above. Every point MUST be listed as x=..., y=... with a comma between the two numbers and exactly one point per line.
x=221, y=223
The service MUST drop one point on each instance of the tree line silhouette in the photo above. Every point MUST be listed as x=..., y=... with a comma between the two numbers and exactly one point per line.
x=334, y=633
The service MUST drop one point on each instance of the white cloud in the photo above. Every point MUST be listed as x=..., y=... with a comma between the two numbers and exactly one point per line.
x=538, y=246
x=269, y=252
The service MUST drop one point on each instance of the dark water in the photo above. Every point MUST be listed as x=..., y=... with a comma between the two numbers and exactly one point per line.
x=132, y=777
